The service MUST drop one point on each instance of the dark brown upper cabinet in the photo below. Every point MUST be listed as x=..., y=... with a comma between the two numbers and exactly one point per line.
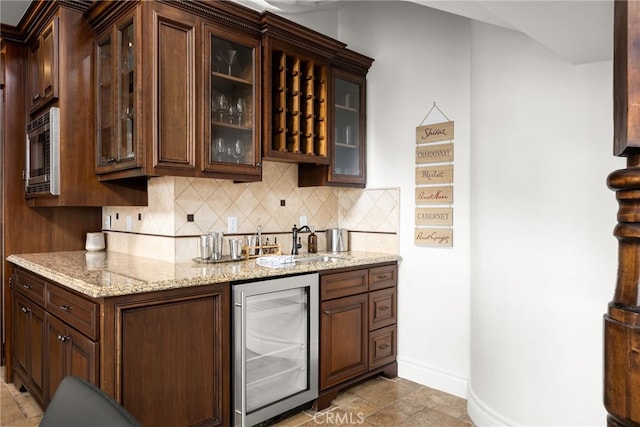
x=59, y=50
x=314, y=115
x=210, y=89
x=160, y=68
x=43, y=66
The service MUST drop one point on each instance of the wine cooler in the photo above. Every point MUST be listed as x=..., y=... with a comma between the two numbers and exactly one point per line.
x=275, y=342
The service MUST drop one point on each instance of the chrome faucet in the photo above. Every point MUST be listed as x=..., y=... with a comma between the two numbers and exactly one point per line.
x=295, y=231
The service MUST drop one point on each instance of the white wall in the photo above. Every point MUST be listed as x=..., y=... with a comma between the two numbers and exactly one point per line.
x=543, y=253
x=421, y=57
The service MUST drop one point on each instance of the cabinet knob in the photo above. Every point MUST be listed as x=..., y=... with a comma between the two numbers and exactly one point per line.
x=37, y=97
x=64, y=338
x=65, y=308
x=25, y=310
x=26, y=286
x=326, y=312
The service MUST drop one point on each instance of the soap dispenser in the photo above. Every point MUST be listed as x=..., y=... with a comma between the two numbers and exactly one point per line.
x=312, y=241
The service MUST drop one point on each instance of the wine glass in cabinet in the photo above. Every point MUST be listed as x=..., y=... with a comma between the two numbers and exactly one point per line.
x=232, y=142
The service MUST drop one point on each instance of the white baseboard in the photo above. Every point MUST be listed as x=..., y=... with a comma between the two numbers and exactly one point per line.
x=426, y=375
x=482, y=415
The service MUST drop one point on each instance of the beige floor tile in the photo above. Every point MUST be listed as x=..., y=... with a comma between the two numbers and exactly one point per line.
x=382, y=391
x=443, y=402
x=433, y=418
x=359, y=407
x=387, y=417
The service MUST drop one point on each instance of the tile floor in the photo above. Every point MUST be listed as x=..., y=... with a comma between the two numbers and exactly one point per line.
x=377, y=402
x=17, y=409
x=388, y=403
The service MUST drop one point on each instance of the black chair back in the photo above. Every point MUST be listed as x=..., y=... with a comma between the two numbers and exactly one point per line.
x=77, y=403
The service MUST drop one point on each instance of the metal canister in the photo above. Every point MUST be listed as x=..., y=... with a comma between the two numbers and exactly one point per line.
x=337, y=239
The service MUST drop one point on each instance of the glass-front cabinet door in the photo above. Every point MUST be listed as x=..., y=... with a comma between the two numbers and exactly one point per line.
x=348, y=155
x=116, y=99
x=232, y=119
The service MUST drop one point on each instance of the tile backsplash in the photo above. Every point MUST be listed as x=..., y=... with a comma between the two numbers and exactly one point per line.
x=164, y=229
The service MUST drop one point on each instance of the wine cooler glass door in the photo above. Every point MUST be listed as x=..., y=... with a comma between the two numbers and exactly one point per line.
x=276, y=352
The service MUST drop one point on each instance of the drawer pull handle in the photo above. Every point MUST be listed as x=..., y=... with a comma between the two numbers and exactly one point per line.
x=65, y=308
x=383, y=346
x=64, y=338
x=383, y=276
x=26, y=286
x=386, y=307
x=26, y=310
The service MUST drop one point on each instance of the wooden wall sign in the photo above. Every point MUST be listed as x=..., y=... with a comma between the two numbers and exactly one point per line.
x=434, y=153
x=434, y=175
x=434, y=195
x=434, y=237
x=434, y=183
x=434, y=216
x=434, y=133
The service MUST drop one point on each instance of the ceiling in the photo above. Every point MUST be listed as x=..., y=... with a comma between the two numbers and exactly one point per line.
x=580, y=31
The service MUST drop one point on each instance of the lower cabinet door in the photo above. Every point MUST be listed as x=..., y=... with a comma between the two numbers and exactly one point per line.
x=68, y=353
x=28, y=346
x=175, y=362
x=343, y=339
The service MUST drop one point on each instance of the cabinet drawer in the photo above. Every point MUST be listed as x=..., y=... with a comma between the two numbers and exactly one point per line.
x=30, y=286
x=382, y=346
x=382, y=308
x=382, y=277
x=343, y=284
x=74, y=310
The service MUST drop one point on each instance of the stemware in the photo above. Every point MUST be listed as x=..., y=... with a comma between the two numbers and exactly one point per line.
x=240, y=109
x=230, y=58
x=232, y=112
x=221, y=105
x=220, y=150
x=238, y=150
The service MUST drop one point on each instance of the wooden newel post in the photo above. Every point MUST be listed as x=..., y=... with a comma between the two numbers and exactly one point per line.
x=622, y=322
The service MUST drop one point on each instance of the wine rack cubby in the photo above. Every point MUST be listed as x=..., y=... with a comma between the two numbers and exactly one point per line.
x=300, y=105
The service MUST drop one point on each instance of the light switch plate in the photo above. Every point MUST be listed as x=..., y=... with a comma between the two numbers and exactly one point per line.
x=128, y=223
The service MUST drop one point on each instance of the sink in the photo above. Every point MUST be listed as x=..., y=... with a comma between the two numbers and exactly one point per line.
x=318, y=258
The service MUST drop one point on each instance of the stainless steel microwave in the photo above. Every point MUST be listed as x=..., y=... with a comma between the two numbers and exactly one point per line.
x=42, y=173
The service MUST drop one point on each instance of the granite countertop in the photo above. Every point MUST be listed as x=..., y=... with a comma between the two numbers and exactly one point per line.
x=107, y=274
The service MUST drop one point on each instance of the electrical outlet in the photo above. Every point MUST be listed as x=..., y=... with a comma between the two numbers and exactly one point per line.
x=128, y=223
x=303, y=220
x=232, y=224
